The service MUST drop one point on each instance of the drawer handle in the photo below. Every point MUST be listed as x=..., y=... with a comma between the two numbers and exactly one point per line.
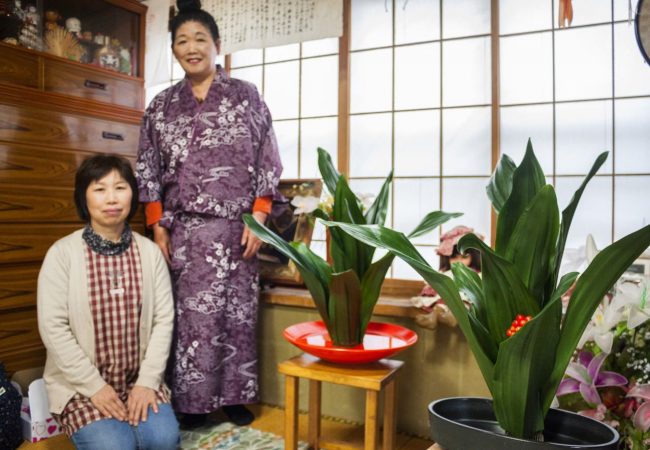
x=95, y=85
x=112, y=136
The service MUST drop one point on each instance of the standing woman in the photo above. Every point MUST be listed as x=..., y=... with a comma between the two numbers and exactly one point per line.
x=105, y=314
x=208, y=154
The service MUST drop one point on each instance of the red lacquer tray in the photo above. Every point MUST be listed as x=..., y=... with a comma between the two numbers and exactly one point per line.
x=381, y=341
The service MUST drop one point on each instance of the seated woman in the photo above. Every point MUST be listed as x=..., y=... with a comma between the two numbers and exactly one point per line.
x=105, y=314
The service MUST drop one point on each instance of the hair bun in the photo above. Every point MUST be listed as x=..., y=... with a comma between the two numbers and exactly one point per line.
x=188, y=5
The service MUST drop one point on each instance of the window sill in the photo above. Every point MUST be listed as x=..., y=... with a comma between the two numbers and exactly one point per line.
x=394, y=305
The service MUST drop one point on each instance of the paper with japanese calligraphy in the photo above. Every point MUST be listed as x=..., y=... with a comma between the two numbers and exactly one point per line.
x=245, y=24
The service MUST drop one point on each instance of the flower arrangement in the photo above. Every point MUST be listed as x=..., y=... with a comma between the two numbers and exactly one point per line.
x=345, y=292
x=609, y=378
x=520, y=277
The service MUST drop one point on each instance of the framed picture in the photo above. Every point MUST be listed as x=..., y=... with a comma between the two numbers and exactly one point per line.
x=641, y=266
x=274, y=267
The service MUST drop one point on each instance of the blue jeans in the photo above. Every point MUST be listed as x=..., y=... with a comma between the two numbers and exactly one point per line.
x=159, y=432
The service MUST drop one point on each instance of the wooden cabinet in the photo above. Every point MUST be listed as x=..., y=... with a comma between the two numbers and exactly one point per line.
x=54, y=113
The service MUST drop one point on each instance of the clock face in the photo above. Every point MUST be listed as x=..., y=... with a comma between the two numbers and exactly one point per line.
x=642, y=26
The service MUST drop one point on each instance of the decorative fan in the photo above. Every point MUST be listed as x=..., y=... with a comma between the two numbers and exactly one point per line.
x=61, y=43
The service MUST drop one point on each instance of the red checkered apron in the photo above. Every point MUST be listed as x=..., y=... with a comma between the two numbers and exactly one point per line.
x=115, y=295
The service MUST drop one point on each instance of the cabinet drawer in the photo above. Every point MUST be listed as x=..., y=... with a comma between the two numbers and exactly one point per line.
x=18, y=67
x=18, y=286
x=31, y=165
x=76, y=80
x=29, y=125
x=20, y=344
x=37, y=204
x=30, y=243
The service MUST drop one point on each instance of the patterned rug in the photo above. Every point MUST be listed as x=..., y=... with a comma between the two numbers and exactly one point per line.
x=227, y=436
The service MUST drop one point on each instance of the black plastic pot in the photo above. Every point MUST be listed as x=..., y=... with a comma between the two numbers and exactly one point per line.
x=466, y=423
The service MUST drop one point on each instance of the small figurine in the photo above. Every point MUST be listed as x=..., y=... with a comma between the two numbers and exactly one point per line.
x=73, y=25
x=107, y=57
x=125, y=61
x=51, y=19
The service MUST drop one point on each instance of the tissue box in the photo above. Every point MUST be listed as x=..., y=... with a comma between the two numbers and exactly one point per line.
x=38, y=424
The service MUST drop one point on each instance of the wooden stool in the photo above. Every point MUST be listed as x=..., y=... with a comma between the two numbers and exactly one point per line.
x=374, y=378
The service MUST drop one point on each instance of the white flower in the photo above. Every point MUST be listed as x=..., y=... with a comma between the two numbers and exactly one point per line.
x=305, y=204
x=602, y=326
x=633, y=292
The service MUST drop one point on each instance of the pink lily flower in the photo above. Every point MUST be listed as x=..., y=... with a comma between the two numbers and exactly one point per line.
x=641, y=418
x=584, y=376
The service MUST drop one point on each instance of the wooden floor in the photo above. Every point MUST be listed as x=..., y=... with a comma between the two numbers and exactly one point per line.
x=271, y=419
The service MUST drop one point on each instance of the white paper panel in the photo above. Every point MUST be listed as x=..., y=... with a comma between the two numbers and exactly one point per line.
x=320, y=81
x=417, y=76
x=632, y=210
x=316, y=133
x=417, y=143
x=467, y=195
x=372, y=24
x=583, y=131
x=465, y=18
x=516, y=16
x=414, y=199
x=370, y=145
x=286, y=133
x=466, y=148
x=583, y=63
x=519, y=123
x=631, y=72
x=466, y=72
x=633, y=135
x=526, y=74
x=371, y=81
x=417, y=21
x=281, y=89
x=282, y=53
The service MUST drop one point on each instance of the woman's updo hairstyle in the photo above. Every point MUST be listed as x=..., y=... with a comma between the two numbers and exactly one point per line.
x=190, y=11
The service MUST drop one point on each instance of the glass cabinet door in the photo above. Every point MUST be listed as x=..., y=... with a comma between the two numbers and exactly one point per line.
x=104, y=33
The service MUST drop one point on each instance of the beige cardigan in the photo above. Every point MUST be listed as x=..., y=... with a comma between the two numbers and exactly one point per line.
x=66, y=325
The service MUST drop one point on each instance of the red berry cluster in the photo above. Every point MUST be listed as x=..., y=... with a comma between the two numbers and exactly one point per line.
x=519, y=322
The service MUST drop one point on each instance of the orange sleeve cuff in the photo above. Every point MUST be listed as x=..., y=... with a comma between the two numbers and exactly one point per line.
x=263, y=204
x=153, y=212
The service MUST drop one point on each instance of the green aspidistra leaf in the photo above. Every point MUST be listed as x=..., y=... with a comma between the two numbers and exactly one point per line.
x=531, y=248
x=327, y=170
x=345, y=308
x=523, y=366
x=567, y=218
x=376, y=214
x=315, y=272
x=527, y=180
x=371, y=287
x=500, y=185
x=432, y=220
x=505, y=293
x=471, y=285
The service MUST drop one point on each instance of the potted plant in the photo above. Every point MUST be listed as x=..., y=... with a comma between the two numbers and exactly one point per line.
x=346, y=292
x=514, y=324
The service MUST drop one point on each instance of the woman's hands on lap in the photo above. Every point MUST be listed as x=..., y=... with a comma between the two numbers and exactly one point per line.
x=138, y=403
x=109, y=404
x=249, y=240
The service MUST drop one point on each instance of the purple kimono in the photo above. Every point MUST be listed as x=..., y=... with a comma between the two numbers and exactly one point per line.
x=207, y=163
